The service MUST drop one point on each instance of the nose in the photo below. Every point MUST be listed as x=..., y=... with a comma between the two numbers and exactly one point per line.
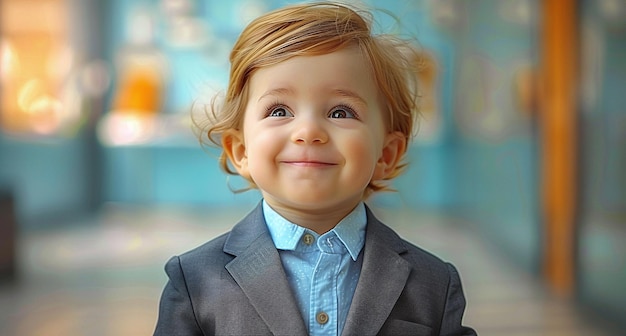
x=308, y=131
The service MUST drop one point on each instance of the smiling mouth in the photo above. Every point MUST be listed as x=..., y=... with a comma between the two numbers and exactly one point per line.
x=317, y=164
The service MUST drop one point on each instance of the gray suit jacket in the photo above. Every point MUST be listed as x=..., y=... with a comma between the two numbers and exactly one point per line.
x=236, y=285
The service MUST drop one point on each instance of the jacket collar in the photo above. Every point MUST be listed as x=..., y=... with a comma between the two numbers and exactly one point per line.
x=257, y=269
x=383, y=276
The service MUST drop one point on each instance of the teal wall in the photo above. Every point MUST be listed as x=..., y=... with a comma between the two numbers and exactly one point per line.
x=49, y=179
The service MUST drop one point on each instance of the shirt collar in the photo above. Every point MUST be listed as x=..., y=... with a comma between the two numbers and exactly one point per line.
x=350, y=230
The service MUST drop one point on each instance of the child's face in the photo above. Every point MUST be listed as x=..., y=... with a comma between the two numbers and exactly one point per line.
x=313, y=135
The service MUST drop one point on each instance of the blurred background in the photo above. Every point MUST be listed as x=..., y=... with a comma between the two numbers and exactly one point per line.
x=517, y=175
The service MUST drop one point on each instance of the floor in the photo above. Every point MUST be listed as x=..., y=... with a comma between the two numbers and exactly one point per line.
x=104, y=275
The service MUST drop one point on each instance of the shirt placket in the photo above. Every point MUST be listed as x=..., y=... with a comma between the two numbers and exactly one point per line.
x=323, y=319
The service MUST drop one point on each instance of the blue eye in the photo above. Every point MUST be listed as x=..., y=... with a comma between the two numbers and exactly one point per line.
x=342, y=112
x=279, y=111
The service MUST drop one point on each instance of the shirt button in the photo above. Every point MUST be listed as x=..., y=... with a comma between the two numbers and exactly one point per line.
x=308, y=239
x=322, y=318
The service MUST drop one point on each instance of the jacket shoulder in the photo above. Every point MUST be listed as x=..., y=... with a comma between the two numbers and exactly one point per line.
x=219, y=251
x=426, y=262
x=205, y=252
x=422, y=256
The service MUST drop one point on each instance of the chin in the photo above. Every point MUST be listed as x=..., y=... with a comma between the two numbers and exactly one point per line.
x=322, y=202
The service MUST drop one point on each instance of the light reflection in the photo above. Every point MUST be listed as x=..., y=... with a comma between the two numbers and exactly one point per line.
x=46, y=114
x=29, y=92
x=52, y=104
x=9, y=62
x=116, y=129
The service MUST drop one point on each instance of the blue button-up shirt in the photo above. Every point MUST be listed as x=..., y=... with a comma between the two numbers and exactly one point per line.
x=323, y=270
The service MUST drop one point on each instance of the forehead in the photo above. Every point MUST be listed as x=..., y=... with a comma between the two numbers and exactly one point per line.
x=343, y=70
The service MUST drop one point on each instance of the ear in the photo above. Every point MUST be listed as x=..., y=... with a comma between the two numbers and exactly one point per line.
x=394, y=147
x=235, y=148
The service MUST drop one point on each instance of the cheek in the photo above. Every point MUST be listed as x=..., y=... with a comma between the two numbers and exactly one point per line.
x=261, y=146
x=363, y=150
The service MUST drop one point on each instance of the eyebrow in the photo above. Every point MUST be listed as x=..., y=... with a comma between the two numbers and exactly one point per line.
x=276, y=92
x=349, y=94
x=336, y=92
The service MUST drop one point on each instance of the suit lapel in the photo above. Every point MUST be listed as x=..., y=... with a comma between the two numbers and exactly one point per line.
x=257, y=269
x=383, y=277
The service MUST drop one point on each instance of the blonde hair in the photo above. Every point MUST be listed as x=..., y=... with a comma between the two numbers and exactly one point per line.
x=316, y=29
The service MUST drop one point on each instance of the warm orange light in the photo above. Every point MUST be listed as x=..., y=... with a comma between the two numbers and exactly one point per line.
x=139, y=91
x=36, y=68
